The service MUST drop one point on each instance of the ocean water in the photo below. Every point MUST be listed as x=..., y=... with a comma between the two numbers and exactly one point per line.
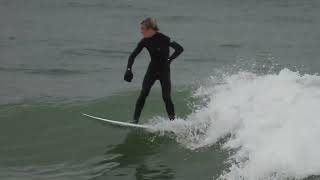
x=246, y=91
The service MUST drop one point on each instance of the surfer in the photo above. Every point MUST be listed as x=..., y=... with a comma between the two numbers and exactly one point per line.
x=158, y=46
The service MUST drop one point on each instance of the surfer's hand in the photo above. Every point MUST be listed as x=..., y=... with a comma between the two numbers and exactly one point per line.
x=128, y=76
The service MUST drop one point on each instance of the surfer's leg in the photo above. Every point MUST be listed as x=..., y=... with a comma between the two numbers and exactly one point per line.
x=148, y=81
x=166, y=94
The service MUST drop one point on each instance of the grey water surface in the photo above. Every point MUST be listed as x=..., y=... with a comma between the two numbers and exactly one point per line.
x=60, y=58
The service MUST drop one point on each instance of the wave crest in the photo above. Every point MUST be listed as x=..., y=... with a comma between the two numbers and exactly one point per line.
x=272, y=122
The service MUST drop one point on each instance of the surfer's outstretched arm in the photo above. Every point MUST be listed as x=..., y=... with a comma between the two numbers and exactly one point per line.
x=134, y=54
x=178, y=49
x=129, y=75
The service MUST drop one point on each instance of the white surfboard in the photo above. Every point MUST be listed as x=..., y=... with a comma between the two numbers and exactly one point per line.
x=118, y=123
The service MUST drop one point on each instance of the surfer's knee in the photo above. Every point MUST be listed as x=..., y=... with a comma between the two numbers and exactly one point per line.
x=144, y=94
x=166, y=98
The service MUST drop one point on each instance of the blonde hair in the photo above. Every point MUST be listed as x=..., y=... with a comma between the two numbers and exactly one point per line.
x=150, y=23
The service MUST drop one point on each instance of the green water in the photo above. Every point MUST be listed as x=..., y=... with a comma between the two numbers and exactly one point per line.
x=53, y=140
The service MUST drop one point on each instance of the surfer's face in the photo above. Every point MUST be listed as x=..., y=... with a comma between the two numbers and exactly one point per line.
x=146, y=32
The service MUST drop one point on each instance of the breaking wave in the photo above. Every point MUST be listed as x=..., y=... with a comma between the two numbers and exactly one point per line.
x=270, y=124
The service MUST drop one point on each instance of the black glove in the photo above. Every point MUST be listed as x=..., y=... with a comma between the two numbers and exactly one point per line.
x=128, y=76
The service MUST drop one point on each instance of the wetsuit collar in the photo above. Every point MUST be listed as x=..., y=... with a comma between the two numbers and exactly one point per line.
x=156, y=33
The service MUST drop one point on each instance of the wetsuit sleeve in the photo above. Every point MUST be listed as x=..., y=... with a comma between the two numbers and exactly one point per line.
x=134, y=54
x=178, y=49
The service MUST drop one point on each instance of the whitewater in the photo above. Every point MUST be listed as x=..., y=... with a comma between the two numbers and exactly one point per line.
x=269, y=123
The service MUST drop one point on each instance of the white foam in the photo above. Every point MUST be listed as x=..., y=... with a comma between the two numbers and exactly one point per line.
x=273, y=120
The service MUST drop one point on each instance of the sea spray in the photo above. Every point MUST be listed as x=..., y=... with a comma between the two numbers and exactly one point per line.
x=273, y=123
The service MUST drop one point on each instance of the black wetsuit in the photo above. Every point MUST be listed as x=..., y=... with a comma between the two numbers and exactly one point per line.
x=159, y=69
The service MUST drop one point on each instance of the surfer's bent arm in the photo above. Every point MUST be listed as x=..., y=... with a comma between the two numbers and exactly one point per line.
x=178, y=49
x=134, y=54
